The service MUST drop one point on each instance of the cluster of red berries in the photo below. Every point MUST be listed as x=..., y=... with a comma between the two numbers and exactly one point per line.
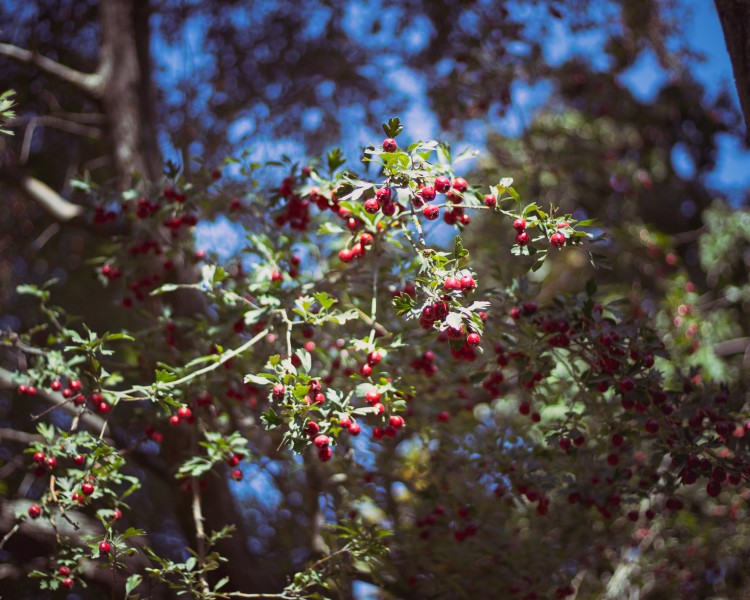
x=183, y=414
x=234, y=461
x=297, y=210
x=67, y=581
x=102, y=215
x=425, y=363
x=357, y=250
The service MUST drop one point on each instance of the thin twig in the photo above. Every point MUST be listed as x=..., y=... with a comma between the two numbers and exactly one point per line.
x=200, y=533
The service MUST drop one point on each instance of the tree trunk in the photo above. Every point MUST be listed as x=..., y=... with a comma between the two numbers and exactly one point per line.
x=735, y=21
x=126, y=89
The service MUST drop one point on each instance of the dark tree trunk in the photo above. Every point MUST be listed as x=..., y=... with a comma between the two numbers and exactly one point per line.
x=735, y=21
x=126, y=89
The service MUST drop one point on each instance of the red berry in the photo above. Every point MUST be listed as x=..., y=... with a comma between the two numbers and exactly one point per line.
x=56, y=386
x=75, y=386
x=312, y=428
x=68, y=583
x=442, y=184
x=354, y=429
x=237, y=475
x=345, y=255
x=374, y=357
x=384, y=195
x=473, y=340
x=468, y=283
x=117, y=514
x=519, y=225
x=396, y=421
x=523, y=239
x=452, y=284
x=713, y=488
x=431, y=212
x=322, y=440
x=64, y=571
x=428, y=193
x=652, y=426
x=276, y=277
x=345, y=422
x=372, y=396
x=51, y=462
x=184, y=412
x=557, y=240
x=490, y=201
x=365, y=370
x=35, y=511
x=325, y=453
x=104, y=547
x=79, y=460
x=278, y=390
x=460, y=184
x=389, y=145
x=444, y=416
x=174, y=420
x=39, y=457
x=87, y=488
x=563, y=225
x=365, y=238
x=388, y=210
x=372, y=205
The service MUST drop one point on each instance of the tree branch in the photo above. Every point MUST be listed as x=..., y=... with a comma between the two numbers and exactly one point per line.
x=88, y=82
x=60, y=208
x=91, y=421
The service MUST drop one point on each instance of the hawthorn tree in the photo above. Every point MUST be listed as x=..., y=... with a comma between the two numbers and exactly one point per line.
x=410, y=376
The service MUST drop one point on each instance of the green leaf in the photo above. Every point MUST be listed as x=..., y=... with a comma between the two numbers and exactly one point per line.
x=393, y=127
x=132, y=582
x=263, y=379
x=335, y=159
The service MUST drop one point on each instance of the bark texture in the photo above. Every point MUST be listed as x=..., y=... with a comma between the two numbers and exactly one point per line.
x=735, y=21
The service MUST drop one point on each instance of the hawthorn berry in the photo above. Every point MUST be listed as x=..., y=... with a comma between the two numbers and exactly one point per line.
x=372, y=205
x=374, y=357
x=523, y=239
x=365, y=238
x=468, y=283
x=427, y=193
x=105, y=547
x=325, y=453
x=74, y=386
x=388, y=210
x=322, y=440
x=56, y=386
x=431, y=212
x=519, y=225
x=68, y=583
x=354, y=429
x=312, y=428
x=460, y=184
x=345, y=422
x=452, y=284
x=473, y=340
x=35, y=511
x=276, y=277
x=384, y=195
x=87, y=488
x=396, y=421
x=278, y=390
x=390, y=145
x=557, y=240
x=78, y=460
x=490, y=201
x=442, y=184
x=63, y=570
x=39, y=457
x=237, y=475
